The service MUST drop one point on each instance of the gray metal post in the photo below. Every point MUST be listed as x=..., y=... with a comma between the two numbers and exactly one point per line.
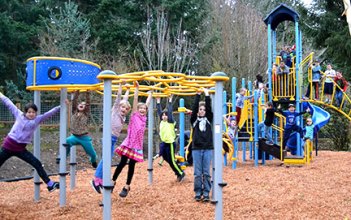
x=150, y=138
x=218, y=158
x=36, y=150
x=63, y=133
x=73, y=165
x=213, y=104
x=107, y=75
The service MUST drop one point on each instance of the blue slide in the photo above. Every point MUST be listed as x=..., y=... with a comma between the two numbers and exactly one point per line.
x=320, y=117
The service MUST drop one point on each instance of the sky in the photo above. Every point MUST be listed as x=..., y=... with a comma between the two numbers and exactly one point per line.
x=307, y=2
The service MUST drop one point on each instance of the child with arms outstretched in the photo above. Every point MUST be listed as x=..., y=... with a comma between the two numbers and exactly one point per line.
x=132, y=146
x=202, y=145
x=168, y=136
x=79, y=127
x=21, y=134
x=119, y=111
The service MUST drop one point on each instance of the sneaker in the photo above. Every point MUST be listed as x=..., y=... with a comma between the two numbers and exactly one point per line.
x=181, y=177
x=198, y=198
x=270, y=142
x=206, y=199
x=326, y=101
x=54, y=186
x=124, y=192
x=97, y=188
x=94, y=164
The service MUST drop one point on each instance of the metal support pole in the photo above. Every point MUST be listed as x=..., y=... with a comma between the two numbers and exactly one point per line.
x=181, y=129
x=107, y=76
x=150, y=138
x=73, y=166
x=63, y=130
x=256, y=127
x=235, y=154
x=217, y=121
x=36, y=150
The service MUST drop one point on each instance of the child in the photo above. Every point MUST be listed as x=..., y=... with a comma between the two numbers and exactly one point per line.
x=232, y=127
x=240, y=98
x=79, y=127
x=119, y=111
x=202, y=145
x=21, y=134
x=309, y=130
x=290, y=125
x=168, y=135
x=267, y=123
x=132, y=147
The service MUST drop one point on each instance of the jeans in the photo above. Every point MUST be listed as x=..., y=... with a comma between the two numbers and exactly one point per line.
x=267, y=131
x=27, y=157
x=338, y=97
x=99, y=169
x=202, y=166
x=85, y=141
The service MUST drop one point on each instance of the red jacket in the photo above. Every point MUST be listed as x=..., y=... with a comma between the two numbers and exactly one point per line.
x=341, y=81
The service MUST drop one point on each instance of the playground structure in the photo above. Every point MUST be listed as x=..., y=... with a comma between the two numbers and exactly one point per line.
x=62, y=74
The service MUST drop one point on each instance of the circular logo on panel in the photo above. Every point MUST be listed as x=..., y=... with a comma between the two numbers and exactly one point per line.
x=54, y=73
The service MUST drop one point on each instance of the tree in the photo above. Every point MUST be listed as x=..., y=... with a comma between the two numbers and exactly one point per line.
x=67, y=34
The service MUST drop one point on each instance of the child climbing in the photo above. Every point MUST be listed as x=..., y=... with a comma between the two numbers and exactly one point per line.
x=21, y=134
x=240, y=98
x=267, y=123
x=119, y=111
x=168, y=136
x=132, y=146
x=79, y=127
x=202, y=145
x=291, y=125
x=232, y=127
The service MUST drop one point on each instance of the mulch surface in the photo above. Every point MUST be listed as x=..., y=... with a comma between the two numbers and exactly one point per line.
x=321, y=190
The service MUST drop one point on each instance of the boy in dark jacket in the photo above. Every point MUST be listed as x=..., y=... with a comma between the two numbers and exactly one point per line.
x=202, y=145
x=290, y=126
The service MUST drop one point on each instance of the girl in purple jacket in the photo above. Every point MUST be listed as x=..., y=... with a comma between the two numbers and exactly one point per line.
x=21, y=134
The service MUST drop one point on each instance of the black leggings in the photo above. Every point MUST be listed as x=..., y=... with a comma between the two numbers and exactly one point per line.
x=121, y=165
x=27, y=157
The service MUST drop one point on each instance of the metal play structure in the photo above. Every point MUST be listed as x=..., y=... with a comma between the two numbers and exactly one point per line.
x=63, y=74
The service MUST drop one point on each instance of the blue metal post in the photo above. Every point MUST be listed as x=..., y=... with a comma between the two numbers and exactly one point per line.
x=269, y=35
x=223, y=121
x=250, y=143
x=235, y=154
x=256, y=126
x=297, y=87
x=274, y=45
x=181, y=128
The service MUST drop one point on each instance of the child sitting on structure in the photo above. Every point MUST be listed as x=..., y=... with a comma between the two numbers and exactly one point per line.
x=267, y=123
x=167, y=136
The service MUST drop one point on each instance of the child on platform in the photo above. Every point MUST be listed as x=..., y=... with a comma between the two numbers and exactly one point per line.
x=168, y=136
x=79, y=127
x=240, y=98
x=309, y=129
x=132, y=146
x=202, y=145
x=291, y=125
x=267, y=123
x=21, y=134
x=232, y=127
x=120, y=110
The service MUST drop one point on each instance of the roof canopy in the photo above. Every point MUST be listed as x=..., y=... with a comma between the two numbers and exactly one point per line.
x=279, y=14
